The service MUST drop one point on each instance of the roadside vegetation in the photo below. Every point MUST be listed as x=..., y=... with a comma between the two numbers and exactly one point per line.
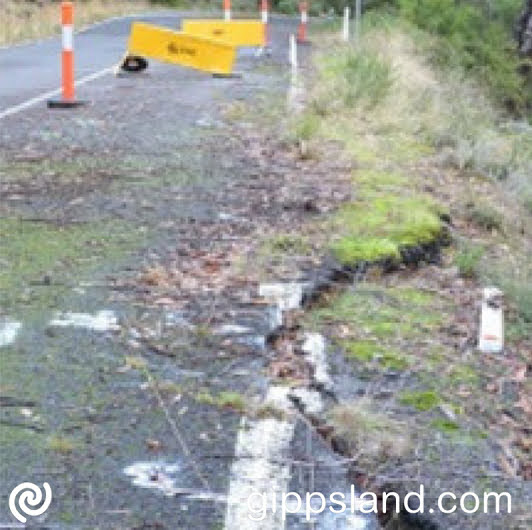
x=430, y=147
x=440, y=150
x=25, y=20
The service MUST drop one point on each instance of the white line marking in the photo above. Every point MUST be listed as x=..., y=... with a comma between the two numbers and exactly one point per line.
x=101, y=321
x=8, y=332
x=47, y=95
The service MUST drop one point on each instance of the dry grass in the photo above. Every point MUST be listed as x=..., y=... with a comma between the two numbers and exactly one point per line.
x=21, y=20
x=439, y=127
x=372, y=436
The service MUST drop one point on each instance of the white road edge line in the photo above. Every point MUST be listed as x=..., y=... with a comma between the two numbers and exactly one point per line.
x=47, y=95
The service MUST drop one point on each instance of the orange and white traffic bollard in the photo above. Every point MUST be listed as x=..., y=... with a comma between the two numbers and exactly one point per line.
x=67, y=60
x=302, y=29
x=227, y=10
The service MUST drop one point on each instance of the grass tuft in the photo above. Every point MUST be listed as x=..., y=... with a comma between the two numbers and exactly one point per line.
x=62, y=445
x=225, y=399
x=468, y=259
x=371, y=435
x=422, y=401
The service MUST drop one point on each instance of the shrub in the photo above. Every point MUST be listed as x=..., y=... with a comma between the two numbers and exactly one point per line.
x=468, y=259
x=474, y=41
x=485, y=216
x=359, y=78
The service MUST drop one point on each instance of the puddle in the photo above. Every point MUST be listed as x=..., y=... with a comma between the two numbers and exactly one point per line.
x=232, y=329
x=163, y=477
x=104, y=320
x=8, y=332
x=154, y=475
x=177, y=319
x=327, y=520
x=253, y=341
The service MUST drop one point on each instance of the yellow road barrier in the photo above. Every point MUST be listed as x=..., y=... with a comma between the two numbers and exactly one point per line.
x=235, y=32
x=169, y=46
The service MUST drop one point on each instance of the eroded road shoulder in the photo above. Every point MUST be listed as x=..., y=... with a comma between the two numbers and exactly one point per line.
x=133, y=339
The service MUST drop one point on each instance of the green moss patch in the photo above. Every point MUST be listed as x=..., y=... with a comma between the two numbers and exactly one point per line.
x=445, y=426
x=225, y=399
x=32, y=251
x=379, y=313
x=379, y=224
x=422, y=401
x=361, y=350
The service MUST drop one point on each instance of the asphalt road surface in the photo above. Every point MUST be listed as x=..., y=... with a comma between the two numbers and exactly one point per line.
x=150, y=172
x=33, y=70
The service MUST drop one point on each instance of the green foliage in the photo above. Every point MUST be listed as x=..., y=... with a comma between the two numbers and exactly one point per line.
x=359, y=79
x=485, y=216
x=361, y=350
x=517, y=287
x=287, y=6
x=378, y=227
x=378, y=314
x=306, y=126
x=468, y=259
x=225, y=399
x=352, y=250
x=33, y=250
x=475, y=40
x=446, y=426
x=315, y=7
x=420, y=400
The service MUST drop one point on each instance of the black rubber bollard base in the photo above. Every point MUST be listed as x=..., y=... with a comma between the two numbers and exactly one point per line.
x=234, y=75
x=61, y=104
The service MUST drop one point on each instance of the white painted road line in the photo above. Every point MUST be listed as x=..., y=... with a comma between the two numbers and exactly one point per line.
x=48, y=95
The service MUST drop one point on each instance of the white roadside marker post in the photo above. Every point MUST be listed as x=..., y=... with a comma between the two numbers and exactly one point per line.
x=358, y=19
x=293, y=54
x=491, y=333
x=294, y=89
x=345, y=29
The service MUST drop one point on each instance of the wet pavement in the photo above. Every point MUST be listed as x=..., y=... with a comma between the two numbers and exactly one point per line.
x=142, y=411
